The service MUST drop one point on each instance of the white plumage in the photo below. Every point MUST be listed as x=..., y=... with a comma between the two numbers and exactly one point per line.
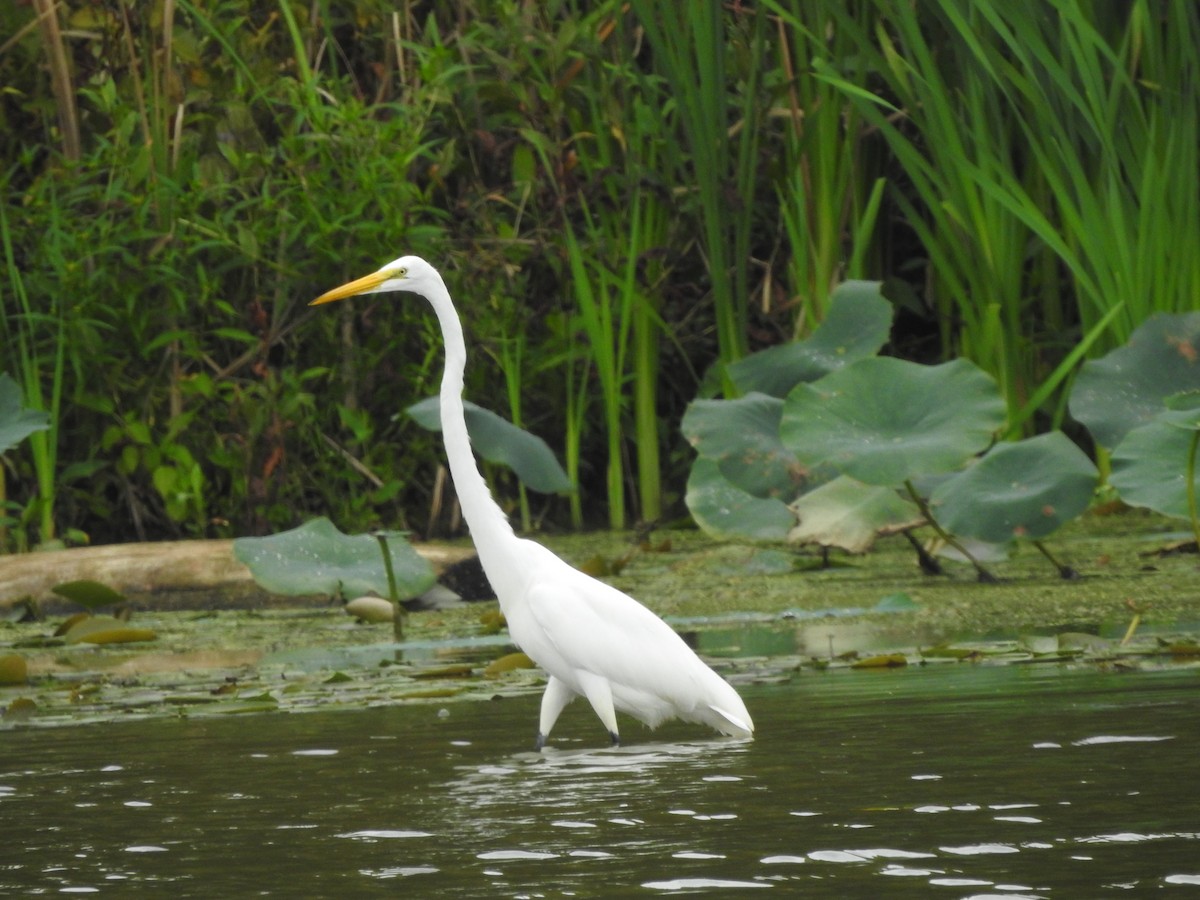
x=593, y=640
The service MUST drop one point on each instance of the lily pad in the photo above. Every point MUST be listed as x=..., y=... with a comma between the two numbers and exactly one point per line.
x=1149, y=468
x=724, y=510
x=742, y=437
x=499, y=441
x=316, y=558
x=883, y=421
x=106, y=630
x=897, y=602
x=17, y=421
x=856, y=326
x=1183, y=410
x=881, y=661
x=1026, y=489
x=1127, y=388
x=849, y=514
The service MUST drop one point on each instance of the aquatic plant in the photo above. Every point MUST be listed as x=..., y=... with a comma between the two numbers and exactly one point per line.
x=912, y=444
x=1140, y=404
x=744, y=476
x=317, y=558
x=169, y=169
x=17, y=421
x=501, y=442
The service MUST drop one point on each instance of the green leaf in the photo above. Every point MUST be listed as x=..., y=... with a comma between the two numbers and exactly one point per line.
x=1026, y=489
x=883, y=421
x=316, y=558
x=849, y=514
x=856, y=326
x=499, y=441
x=726, y=511
x=742, y=437
x=1127, y=388
x=1183, y=410
x=89, y=594
x=166, y=479
x=1149, y=468
x=16, y=421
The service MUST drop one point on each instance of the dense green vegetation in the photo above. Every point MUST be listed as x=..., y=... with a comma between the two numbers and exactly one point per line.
x=625, y=199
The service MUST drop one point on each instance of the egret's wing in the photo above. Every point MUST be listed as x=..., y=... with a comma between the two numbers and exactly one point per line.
x=591, y=626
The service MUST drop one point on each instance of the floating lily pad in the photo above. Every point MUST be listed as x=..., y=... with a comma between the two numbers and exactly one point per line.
x=849, y=514
x=883, y=421
x=897, y=602
x=106, y=630
x=882, y=661
x=943, y=651
x=724, y=510
x=1027, y=489
x=317, y=558
x=454, y=670
x=499, y=441
x=855, y=327
x=17, y=421
x=508, y=663
x=1127, y=388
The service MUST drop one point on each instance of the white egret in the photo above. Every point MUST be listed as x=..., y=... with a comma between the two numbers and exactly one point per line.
x=591, y=639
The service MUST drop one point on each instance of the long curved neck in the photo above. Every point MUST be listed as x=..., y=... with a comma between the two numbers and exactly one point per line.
x=490, y=528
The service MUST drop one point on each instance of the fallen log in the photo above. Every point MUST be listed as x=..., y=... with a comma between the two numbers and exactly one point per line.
x=162, y=575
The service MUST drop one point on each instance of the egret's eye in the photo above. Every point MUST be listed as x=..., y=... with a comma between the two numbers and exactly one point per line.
x=402, y=272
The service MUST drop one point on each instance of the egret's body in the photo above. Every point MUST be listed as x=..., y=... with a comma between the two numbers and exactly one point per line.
x=592, y=639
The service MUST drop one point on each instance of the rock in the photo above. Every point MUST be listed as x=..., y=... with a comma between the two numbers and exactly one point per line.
x=371, y=609
x=437, y=597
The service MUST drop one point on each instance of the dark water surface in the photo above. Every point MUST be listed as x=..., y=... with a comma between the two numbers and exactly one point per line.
x=950, y=781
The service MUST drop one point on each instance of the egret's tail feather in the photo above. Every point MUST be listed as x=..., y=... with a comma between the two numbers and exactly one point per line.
x=741, y=726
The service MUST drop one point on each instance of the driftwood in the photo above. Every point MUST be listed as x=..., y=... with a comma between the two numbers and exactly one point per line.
x=166, y=575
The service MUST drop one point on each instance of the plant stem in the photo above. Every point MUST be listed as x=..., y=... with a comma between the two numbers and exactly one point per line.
x=1191, y=487
x=928, y=564
x=393, y=591
x=1063, y=571
x=983, y=574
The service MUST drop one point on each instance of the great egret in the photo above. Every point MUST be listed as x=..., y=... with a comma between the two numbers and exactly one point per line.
x=592, y=639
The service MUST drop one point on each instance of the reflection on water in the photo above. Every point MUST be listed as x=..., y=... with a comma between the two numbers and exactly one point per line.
x=947, y=782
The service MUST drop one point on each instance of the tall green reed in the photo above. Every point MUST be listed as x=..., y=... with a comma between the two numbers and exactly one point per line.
x=39, y=340
x=627, y=157
x=827, y=201
x=604, y=313
x=698, y=51
x=1107, y=103
x=943, y=123
x=1022, y=145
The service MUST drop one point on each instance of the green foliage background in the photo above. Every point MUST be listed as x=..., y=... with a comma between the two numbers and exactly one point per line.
x=180, y=177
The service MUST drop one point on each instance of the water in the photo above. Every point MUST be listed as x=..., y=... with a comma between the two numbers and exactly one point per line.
x=951, y=781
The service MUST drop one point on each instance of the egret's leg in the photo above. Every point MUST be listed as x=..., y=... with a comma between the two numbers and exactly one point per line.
x=556, y=697
x=599, y=694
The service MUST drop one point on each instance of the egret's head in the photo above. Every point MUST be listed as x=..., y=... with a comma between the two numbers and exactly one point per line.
x=408, y=273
